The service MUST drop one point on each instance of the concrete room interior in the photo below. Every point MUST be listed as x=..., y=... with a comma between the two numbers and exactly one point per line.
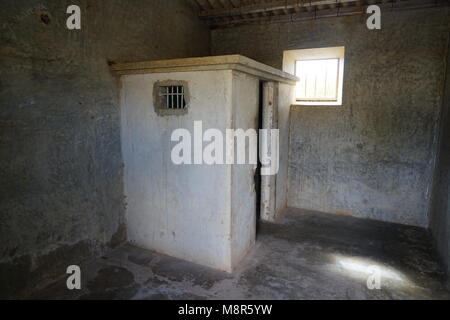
x=364, y=173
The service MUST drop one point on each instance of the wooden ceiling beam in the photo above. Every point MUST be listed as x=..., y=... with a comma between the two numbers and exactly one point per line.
x=199, y=5
x=339, y=10
x=258, y=8
x=211, y=5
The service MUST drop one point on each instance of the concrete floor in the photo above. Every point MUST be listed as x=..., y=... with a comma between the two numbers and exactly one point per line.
x=305, y=255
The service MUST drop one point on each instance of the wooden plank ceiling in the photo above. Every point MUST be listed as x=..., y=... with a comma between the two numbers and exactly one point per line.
x=223, y=13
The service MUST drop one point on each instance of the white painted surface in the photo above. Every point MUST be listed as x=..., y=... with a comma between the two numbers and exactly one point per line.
x=179, y=210
x=243, y=193
x=201, y=213
x=227, y=62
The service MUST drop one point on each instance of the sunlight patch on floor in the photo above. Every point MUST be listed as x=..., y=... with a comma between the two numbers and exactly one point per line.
x=369, y=270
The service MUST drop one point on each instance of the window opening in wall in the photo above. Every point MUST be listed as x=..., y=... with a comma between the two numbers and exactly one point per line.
x=318, y=79
x=320, y=72
x=172, y=97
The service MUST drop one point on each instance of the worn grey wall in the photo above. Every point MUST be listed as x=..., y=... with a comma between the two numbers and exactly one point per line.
x=440, y=210
x=374, y=155
x=61, y=194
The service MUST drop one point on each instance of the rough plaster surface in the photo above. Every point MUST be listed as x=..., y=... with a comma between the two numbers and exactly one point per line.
x=374, y=155
x=61, y=194
x=304, y=255
x=245, y=95
x=285, y=94
x=440, y=212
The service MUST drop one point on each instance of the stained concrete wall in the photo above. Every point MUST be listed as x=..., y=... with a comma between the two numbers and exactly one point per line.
x=277, y=99
x=374, y=155
x=61, y=196
x=285, y=96
x=440, y=210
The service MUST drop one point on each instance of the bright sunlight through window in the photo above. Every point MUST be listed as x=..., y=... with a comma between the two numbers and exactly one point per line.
x=318, y=80
x=320, y=73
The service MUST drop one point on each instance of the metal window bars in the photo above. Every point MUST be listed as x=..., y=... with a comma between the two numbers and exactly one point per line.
x=173, y=97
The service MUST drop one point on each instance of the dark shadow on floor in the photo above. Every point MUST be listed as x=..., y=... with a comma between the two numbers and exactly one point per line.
x=304, y=255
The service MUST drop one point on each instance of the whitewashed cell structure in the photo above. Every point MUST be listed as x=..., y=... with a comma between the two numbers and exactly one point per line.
x=201, y=213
